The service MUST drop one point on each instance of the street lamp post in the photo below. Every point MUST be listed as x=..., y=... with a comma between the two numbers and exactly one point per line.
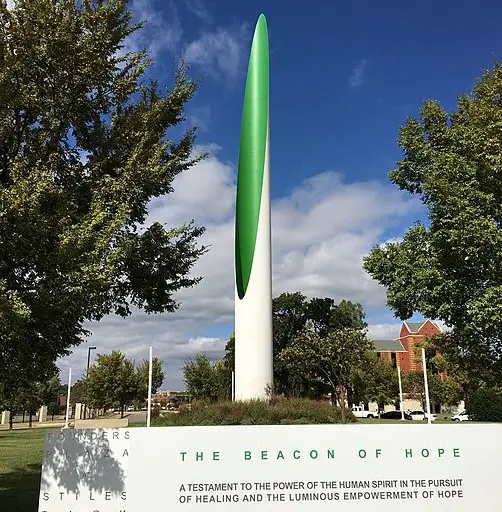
x=89, y=359
x=87, y=373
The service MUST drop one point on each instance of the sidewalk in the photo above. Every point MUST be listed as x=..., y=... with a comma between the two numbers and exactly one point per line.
x=25, y=425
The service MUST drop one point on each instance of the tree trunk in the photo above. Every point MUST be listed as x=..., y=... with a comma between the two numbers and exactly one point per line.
x=29, y=424
x=23, y=415
x=122, y=411
x=10, y=420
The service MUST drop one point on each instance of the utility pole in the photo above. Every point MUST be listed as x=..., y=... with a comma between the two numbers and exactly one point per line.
x=87, y=374
x=426, y=383
x=89, y=360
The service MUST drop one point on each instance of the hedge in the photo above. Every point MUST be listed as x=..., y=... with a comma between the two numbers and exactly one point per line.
x=277, y=411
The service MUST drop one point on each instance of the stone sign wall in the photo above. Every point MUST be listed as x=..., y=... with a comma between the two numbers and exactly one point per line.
x=262, y=468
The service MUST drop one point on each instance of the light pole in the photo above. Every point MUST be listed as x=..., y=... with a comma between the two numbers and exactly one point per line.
x=87, y=374
x=400, y=392
x=426, y=383
x=89, y=359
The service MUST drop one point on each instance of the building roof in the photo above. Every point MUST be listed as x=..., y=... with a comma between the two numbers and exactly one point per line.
x=388, y=346
x=414, y=327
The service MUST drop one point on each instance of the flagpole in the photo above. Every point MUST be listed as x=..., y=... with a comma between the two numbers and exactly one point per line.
x=400, y=392
x=150, y=375
x=426, y=382
x=67, y=419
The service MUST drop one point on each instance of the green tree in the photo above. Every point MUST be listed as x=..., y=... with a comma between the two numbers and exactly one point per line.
x=157, y=377
x=20, y=390
x=228, y=365
x=290, y=314
x=223, y=386
x=327, y=360
x=78, y=393
x=289, y=318
x=374, y=380
x=485, y=405
x=451, y=392
x=50, y=392
x=85, y=143
x=204, y=380
x=450, y=268
x=441, y=392
x=326, y=316
x=112, y=381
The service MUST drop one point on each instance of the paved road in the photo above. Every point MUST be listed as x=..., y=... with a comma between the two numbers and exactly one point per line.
x=136, y=416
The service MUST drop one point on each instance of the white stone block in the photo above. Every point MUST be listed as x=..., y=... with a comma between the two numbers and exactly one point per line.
x=79, y=411
x=42, y=414
x=5, y=417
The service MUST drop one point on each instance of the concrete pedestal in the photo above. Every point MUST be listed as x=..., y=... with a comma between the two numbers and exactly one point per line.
x=79, y=411
x=5, y=417
x=42, y=415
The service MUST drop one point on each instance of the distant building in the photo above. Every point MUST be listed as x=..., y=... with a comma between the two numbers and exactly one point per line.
x=390, y=351
x=167, y=397
x=401, y=351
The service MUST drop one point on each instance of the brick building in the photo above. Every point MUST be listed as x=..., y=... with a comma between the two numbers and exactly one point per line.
x=400, y=352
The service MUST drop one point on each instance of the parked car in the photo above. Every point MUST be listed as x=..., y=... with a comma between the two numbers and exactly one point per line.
x=421, y=415
x=461, y=416
x=395, y=415
x=359, y=412
x=417, y=415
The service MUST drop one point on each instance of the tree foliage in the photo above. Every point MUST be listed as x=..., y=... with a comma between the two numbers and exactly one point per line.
x=451, y=268
x=327, y=359
x=157, y=376
x=441, y=392
x=112, y=381
x=85, y=143
x=205, y=380
x=78, y=392
x=291, y=312
x=26, y=390
x=485, y=405
x=374, y=380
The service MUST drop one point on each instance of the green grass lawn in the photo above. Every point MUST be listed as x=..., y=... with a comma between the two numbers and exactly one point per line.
x=20, y=463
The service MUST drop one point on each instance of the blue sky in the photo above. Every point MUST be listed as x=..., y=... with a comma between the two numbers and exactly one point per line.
x=344, y=76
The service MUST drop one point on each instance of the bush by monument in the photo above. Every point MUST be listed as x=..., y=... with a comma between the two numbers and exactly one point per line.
x=485, y=405
x=277, y=411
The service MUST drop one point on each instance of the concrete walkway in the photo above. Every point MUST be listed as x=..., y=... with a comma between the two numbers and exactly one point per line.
x=35, y=424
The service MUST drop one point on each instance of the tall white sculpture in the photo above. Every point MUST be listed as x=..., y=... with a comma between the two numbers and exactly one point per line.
x=253, y=297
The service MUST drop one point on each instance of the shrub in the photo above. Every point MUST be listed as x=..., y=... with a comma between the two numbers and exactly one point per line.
x=277, y=411
x=485, y=405
x=155, y=412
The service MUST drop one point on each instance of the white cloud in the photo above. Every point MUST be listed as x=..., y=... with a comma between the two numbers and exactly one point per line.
x=158, y=34
x=199, y=117
x=357, y=77
x=200, y=10
x=384, y=331
x=219, y=53
x=321, y=231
